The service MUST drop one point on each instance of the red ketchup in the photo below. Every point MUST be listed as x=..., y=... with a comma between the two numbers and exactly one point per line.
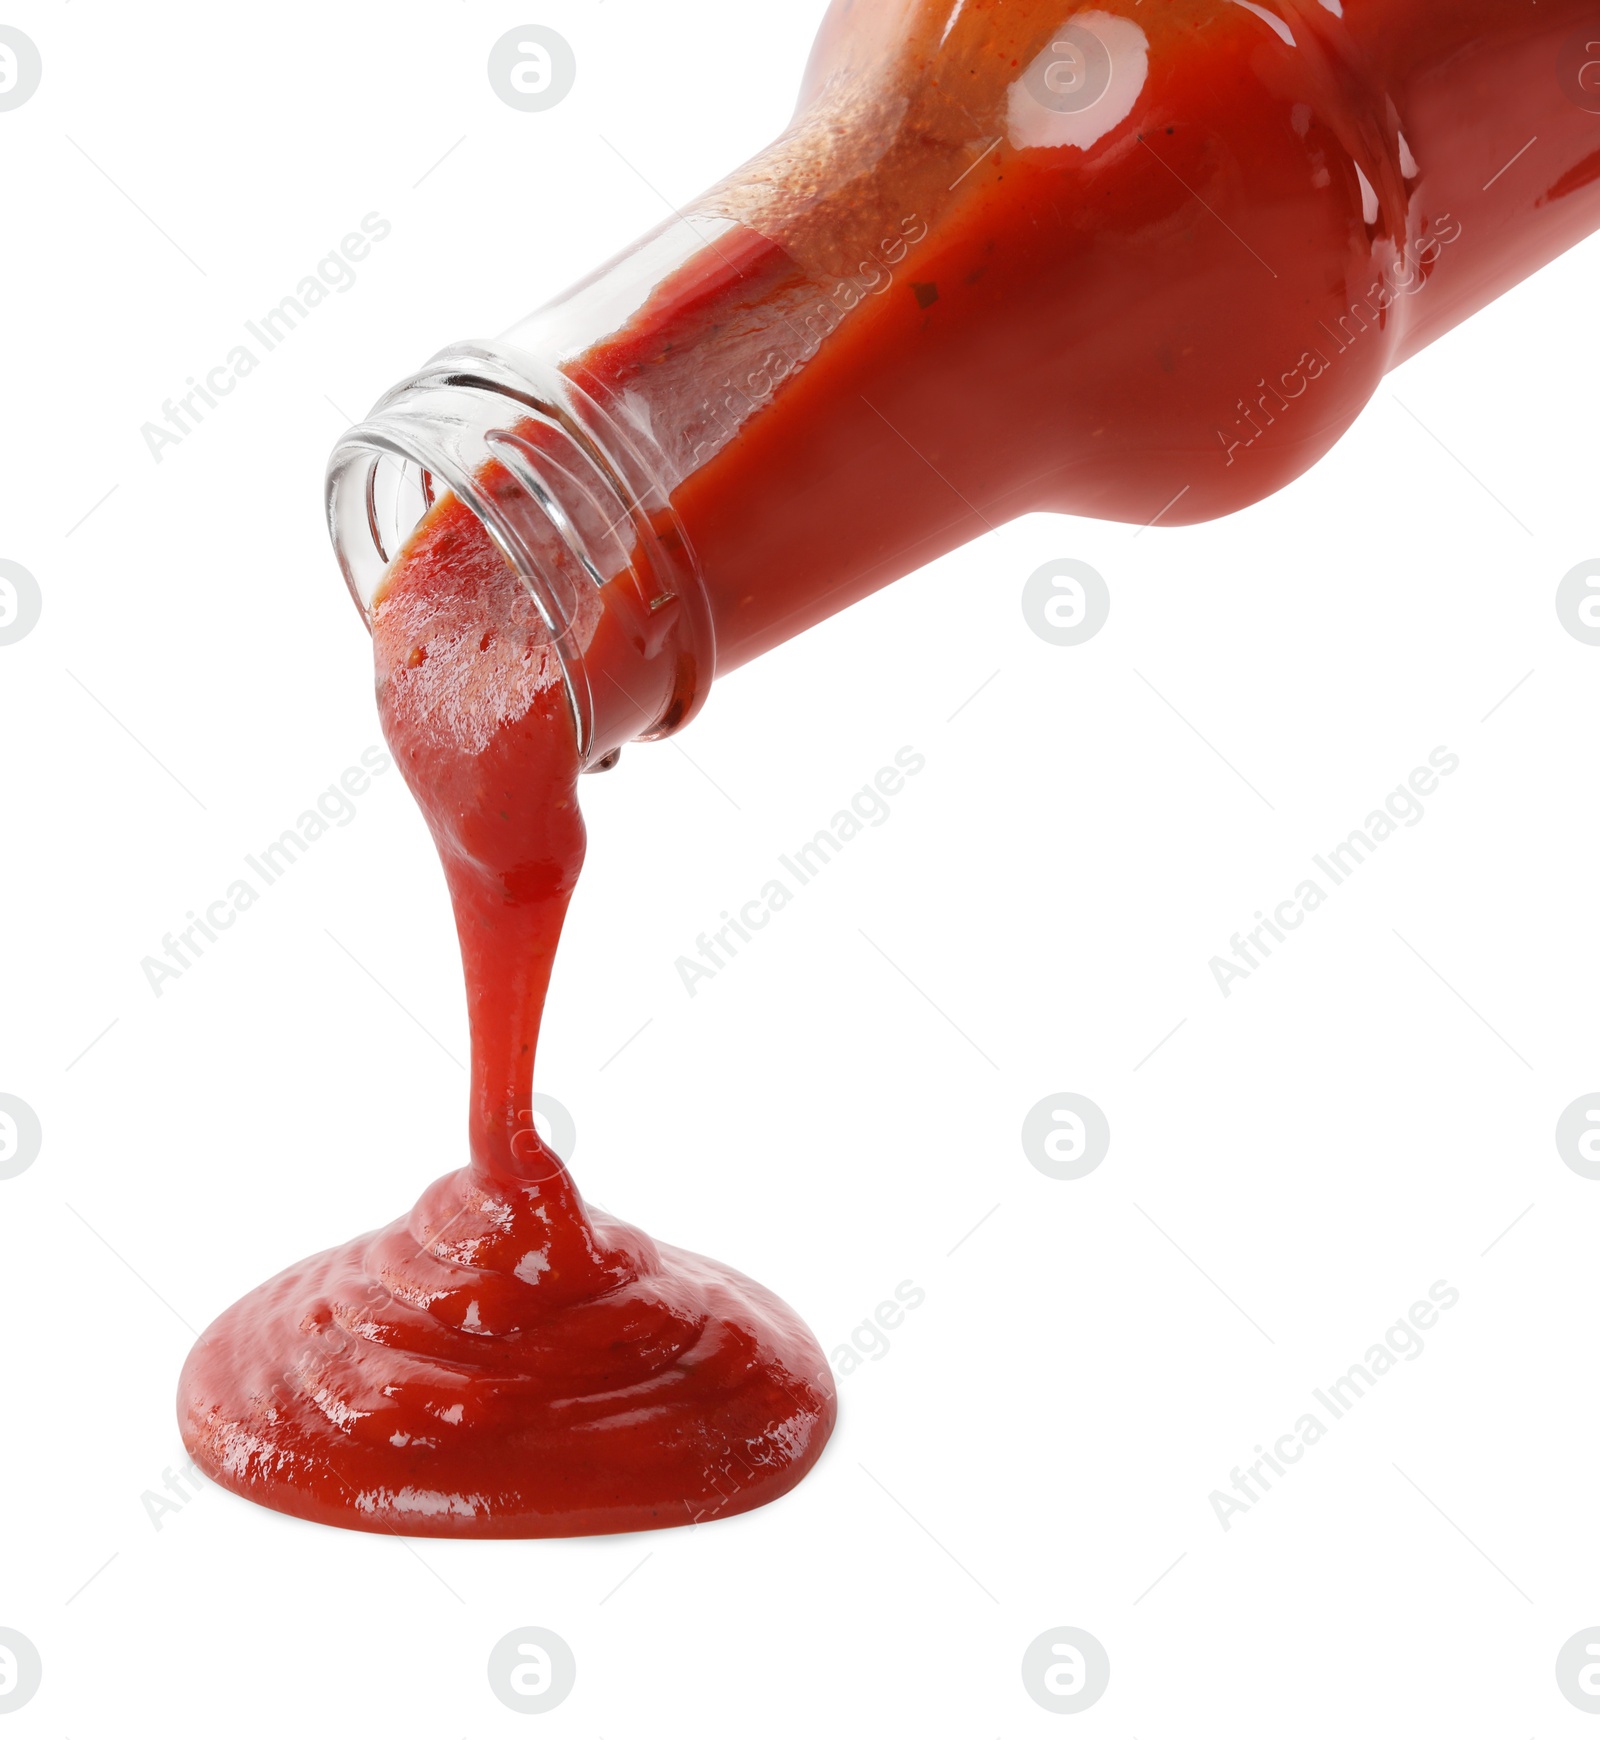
x=502, y=1360
x=1138, y=261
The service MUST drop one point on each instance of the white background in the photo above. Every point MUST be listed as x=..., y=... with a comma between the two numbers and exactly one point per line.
x=1038, y=1445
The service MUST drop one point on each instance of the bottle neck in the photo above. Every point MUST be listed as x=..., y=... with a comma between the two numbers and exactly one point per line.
x=960, y=288
x=577, y=503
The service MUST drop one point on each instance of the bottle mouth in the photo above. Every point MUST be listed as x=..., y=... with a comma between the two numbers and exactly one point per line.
x=577, y=505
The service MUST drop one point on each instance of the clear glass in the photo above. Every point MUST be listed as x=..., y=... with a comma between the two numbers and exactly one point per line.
x=1140, y=263
x=577, y=505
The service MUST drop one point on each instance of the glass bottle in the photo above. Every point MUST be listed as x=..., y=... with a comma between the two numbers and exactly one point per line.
x=1135, y=262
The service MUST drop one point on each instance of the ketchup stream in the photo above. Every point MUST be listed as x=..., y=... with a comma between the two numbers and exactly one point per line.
x=504, y=1360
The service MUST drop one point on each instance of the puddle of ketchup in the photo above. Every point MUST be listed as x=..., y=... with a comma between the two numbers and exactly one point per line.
x=504, y=1361
x=1093, y=332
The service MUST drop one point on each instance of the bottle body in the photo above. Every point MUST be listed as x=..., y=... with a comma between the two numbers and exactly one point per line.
x=1141, y=264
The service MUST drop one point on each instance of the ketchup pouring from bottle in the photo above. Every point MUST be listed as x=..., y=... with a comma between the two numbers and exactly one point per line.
x=1141, y=261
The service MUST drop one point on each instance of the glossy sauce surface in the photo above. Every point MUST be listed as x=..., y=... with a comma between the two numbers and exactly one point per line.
x=946, y=304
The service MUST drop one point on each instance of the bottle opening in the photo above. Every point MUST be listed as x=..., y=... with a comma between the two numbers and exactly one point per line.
x=574, y=504
x=399, y=494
